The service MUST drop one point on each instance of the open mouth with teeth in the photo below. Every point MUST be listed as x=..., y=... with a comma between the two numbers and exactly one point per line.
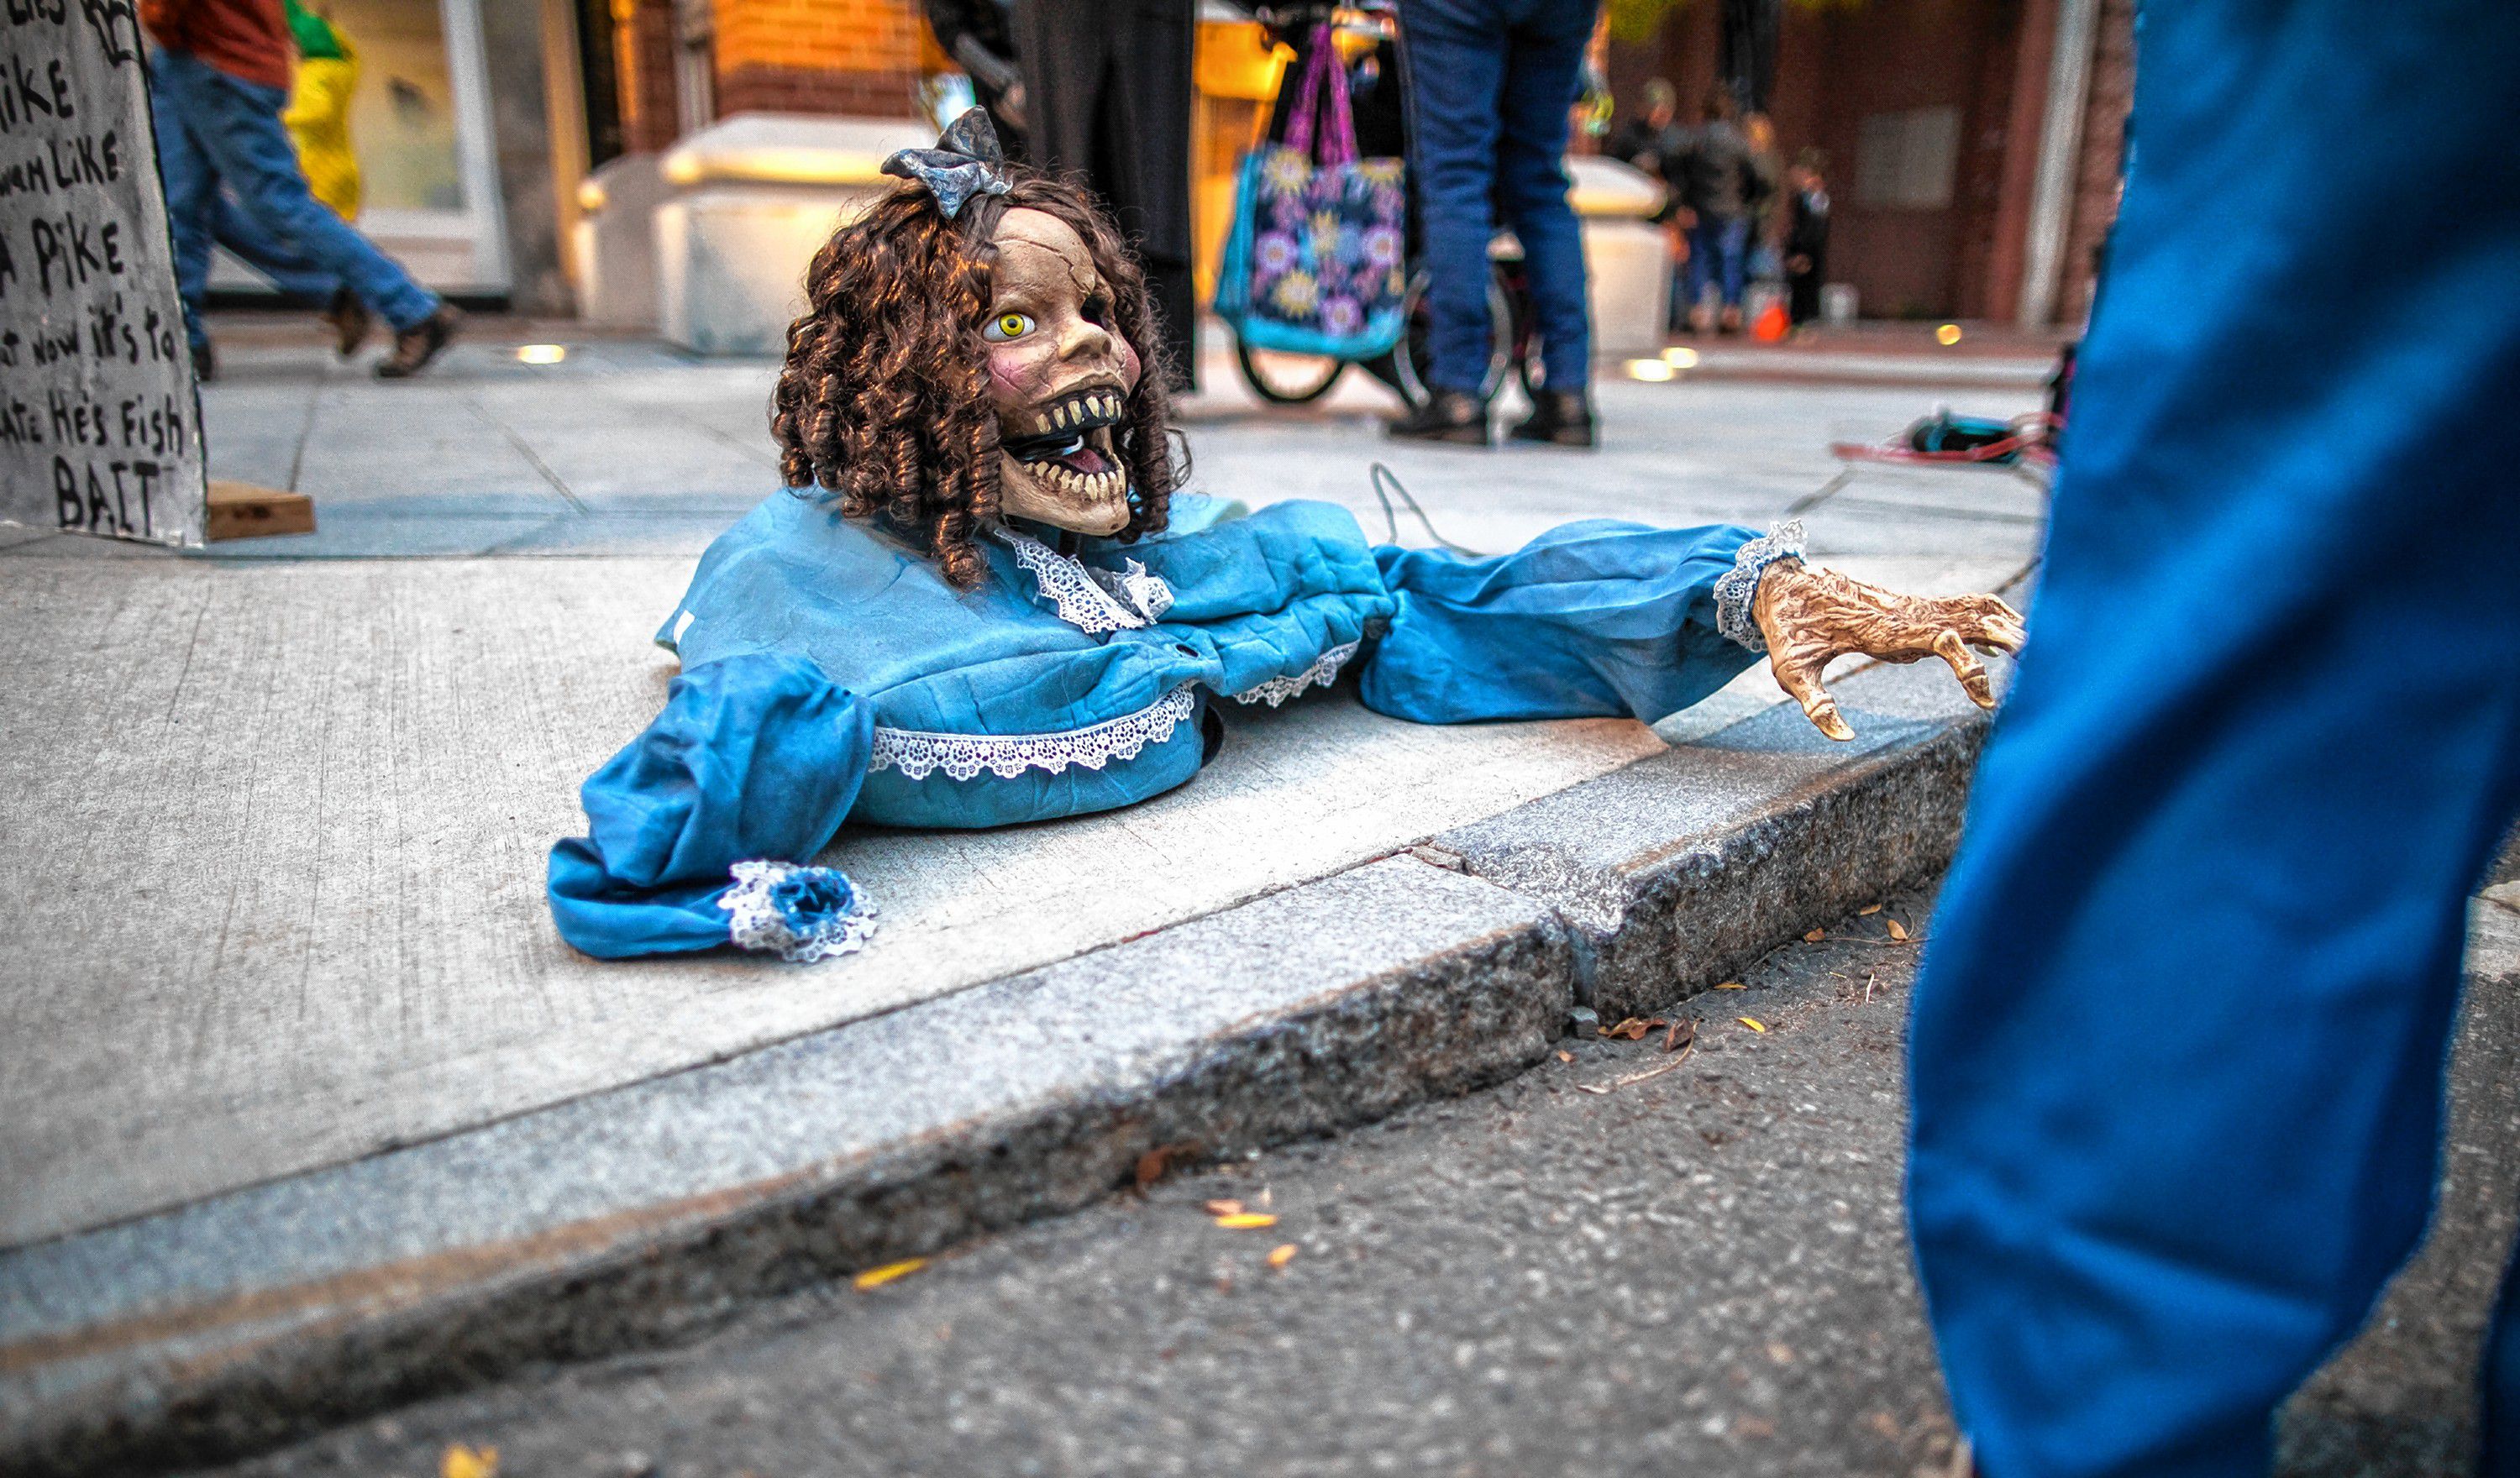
x=1067, y=443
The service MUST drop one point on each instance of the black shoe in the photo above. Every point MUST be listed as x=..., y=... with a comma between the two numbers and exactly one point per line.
x=1453, y=416
x=351, y=321
x=205, y=363
x=415, y=346
x=1561, y=417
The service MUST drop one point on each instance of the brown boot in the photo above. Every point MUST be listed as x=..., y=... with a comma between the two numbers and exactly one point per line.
x=415, y=346
x=351, y=321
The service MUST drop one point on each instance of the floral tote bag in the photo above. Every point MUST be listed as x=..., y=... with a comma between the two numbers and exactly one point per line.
x=1314, y=262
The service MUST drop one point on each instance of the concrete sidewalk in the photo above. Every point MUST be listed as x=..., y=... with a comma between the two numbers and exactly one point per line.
x=326, y=1113
x=628, y=447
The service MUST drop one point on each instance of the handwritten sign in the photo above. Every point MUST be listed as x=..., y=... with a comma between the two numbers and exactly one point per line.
x=100, y=422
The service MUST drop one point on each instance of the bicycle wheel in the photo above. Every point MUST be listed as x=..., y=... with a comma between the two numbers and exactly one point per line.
x=1282, y=378
x=1410, y=362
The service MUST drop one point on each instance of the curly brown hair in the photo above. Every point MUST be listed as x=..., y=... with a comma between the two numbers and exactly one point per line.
x=884, y=398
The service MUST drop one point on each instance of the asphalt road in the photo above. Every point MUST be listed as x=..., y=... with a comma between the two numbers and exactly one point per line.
x=1587, y=1270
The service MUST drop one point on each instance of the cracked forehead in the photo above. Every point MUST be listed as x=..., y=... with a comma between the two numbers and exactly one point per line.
x=1041, y=258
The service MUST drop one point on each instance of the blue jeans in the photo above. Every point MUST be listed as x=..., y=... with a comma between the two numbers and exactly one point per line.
x=289, y=272
x=1491, y=83
x=2178, y=1046
x=216, y=130
x=1719, y=251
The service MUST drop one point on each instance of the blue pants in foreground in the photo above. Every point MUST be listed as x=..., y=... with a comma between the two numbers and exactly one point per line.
x=1491, y=83
x=2178, y=1046
x=215, y=129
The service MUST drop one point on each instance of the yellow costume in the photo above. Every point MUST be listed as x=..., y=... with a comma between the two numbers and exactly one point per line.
x=318, y=118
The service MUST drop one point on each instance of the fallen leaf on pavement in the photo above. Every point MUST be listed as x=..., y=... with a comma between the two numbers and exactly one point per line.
x=1653, y=1072
x=1874, y=909
x=1225, y=1208
x=1245, y=1221
x=1278, y=1257
x=1155, y=1163
x=1898, y=930
x=1816, y=937
x=462, y=1462
x=1731, y=985
x=1752, y=1022
x=1566, y=1056
x=877, y=1278
x=1679, y=1034
x=1633, y=1028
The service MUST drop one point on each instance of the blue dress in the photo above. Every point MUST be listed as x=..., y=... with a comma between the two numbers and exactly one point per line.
x=830, y=673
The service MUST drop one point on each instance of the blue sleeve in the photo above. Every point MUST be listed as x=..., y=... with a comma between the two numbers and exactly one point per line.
x=752, y=765
x=1591, y=620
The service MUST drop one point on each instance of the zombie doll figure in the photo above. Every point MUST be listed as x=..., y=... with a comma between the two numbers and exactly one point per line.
x=982, y=602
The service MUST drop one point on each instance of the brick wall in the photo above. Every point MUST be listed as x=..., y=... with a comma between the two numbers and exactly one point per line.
x=643, y=40
x=2095, y=181
x=860, y=57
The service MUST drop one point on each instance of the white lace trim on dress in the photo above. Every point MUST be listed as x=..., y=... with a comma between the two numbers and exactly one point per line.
x=1736, y=590
x=1091, y=600
x=917, y=753
x=1324, y=672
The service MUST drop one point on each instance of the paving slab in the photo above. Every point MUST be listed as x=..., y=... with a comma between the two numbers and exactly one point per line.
x=619, y=1220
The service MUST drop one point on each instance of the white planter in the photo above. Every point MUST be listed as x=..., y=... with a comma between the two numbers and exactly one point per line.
x=759, y=195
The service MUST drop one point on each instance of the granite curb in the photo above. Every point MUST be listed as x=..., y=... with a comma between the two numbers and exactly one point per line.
x=645, y=1214
x=1669, y=888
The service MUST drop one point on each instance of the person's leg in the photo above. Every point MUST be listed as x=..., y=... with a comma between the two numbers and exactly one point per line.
x=2176, y=1051
x=192, y=187
x=289, y=272
x=1544, y=51
x=1456, y=72
x=1146, y=119
x=1734, y=239
x=1704, y=237
x=1802, y=296
x=238, y=126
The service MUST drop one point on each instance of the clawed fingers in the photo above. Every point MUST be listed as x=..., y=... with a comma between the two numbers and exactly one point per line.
x=1968, y=669
x=1987, y=621
x=1802, y=684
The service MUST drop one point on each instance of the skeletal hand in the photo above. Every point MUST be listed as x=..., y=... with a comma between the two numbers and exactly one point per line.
x=1811, y=617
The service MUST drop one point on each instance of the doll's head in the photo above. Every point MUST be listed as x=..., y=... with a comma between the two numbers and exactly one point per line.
x=950, y=368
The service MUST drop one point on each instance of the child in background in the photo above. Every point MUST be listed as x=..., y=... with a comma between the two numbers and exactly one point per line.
x=1806, y=236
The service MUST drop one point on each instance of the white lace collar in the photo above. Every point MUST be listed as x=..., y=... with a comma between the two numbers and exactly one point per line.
x=1088, y=598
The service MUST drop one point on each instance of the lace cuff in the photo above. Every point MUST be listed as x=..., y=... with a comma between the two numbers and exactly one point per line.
x=799, y=914
x=1737, y=589
x=1324, y=672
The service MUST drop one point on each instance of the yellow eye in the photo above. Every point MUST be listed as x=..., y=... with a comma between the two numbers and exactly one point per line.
x=1006, y=325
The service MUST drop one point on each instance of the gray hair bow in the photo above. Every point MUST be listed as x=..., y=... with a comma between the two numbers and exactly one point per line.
x=965, y=162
